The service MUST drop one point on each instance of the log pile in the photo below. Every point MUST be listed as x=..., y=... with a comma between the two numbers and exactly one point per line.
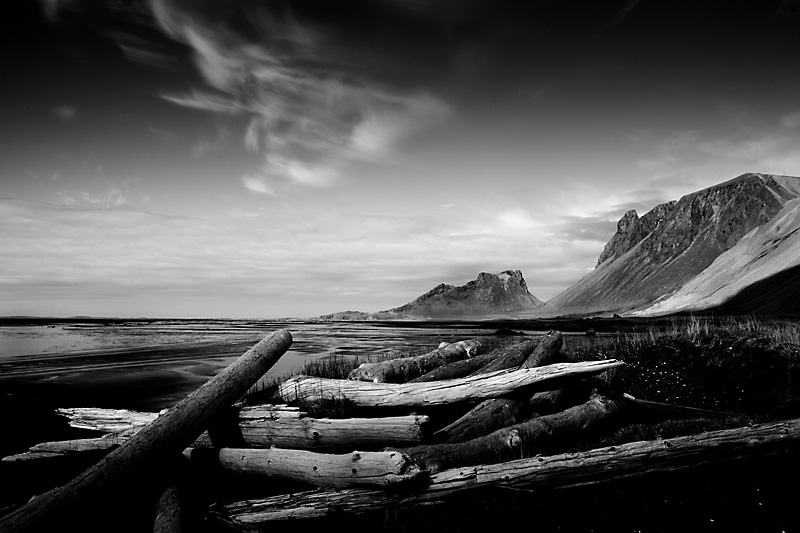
x=519, y=410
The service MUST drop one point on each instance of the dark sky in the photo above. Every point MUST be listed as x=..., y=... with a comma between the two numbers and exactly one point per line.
x=226, y=158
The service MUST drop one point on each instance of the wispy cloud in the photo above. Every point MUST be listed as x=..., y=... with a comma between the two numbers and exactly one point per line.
x=257, y=185
x=113, y=197
x=310, y=112
x=690, y=160
x=518, y=219
x=791, y=120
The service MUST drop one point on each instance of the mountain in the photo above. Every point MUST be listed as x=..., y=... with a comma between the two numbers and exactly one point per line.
x=696, y=253
x=488, y=296
x=503, y=294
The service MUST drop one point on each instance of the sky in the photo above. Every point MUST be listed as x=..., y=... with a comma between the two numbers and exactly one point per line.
x=268, y=159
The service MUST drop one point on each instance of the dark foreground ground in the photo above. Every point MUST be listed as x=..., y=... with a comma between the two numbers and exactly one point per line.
x=747, y=370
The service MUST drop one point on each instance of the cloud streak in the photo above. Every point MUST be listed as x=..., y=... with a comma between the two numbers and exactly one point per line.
x=310, y=111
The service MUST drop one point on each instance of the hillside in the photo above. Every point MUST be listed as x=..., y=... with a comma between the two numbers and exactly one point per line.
x=694, y=253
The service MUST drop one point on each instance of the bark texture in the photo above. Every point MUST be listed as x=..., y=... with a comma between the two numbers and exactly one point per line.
x=481, y=387
x=353, y=469
x=512, y=356
x=404, y=369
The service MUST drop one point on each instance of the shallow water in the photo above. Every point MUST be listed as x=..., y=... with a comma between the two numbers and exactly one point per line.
x=152, y=364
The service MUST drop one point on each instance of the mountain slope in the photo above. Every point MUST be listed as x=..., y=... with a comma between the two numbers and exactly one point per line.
x=753, y=276
x=652, y=258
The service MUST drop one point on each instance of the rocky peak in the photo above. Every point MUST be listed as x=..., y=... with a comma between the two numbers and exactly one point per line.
x=721, y=214
x=513, y=278
x=631, y=229
x=442, y=288
x=487, y=295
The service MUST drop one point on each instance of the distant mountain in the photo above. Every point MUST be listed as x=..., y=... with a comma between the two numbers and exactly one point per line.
x=488, y=296
x=703, y=251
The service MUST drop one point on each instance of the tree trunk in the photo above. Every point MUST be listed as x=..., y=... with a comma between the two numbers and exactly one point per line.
x=498, y=413
x=65, y=448
x=486, y=417
x=405, y=368
x=179, y=508
x=542, y=435
x=554, y=401
x=262, y=427
x=167, y=436
x=170, y=512
x=492, y=385
x=624, y=461
x=545, y=353
x=376, y=469
x=512, y=355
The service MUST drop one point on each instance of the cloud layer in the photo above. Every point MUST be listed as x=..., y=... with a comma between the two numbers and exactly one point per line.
x=311, y=111
x=123, y=261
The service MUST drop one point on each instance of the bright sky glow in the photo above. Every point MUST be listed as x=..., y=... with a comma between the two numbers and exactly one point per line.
x=288, y=159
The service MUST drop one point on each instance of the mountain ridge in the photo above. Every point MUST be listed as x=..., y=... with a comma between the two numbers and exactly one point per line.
x=652, y=257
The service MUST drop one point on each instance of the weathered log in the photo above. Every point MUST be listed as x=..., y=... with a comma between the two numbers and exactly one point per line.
x=258, y=427
x=166, y=436
x=403, y=369
x=553, y=401
x=545, y=353
x=481, y=387
x=107, y=420
x=180, y=507
x=64, y=448
x=563, y=471
x=514, y=355
x=498, y=413
x=486, y=417
x=170, y=511
x=323, y=470
x=542, y=435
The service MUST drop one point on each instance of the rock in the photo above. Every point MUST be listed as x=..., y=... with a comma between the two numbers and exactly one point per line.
x=503, y=294
x=653, y=256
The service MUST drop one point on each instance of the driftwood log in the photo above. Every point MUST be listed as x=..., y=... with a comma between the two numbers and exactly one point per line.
x=67, y=448
x=546, y=352
x=624, y=461
x=170, y=511
x=512, y=355
x=151, y=447
x=403, y=369
x=481, y=387
x=497, y=413
x=323, y=470
x=259, y=426
x=542, y=435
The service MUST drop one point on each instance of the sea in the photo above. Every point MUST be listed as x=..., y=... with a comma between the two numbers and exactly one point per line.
x=150, y=364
